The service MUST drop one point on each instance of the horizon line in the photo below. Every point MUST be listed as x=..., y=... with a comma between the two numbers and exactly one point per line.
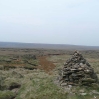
x=46, y=43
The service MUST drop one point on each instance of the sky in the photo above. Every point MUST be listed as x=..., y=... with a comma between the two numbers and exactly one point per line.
x=50, y=21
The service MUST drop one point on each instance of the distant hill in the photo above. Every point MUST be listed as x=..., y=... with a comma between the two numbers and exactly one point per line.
x=46, y=46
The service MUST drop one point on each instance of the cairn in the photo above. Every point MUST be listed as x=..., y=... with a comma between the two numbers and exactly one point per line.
x=77, y=71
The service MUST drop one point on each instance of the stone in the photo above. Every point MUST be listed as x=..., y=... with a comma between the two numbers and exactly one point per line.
x=87, y=71
x=83, y=94
x=95, y=92
x=81, y=91
x=80, y=69
x=63, y=84
x=77, y=71
x=90, y=80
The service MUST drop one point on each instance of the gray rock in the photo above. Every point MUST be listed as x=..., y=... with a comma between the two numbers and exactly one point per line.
x=63, y=84
x=83, y=94
x=78, y=71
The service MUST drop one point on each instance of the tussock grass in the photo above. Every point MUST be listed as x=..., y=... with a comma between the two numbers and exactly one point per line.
x=7, y=95
x=39, y=85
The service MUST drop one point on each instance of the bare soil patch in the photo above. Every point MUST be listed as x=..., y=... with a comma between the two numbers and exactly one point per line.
x=46, y=65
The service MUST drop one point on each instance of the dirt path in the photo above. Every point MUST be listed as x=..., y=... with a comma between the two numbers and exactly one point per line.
x=46, y=65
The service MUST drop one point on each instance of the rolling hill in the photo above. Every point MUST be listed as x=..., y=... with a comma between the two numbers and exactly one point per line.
x=46, y=46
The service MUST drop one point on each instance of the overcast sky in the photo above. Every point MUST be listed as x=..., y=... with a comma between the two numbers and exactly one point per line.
x=50, y=21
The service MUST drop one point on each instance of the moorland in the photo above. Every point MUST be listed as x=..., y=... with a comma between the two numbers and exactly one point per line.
x=28, y=73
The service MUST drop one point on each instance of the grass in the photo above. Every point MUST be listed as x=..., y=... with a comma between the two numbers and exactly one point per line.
x=40, y=86
x=7, y=95
x=36, y=84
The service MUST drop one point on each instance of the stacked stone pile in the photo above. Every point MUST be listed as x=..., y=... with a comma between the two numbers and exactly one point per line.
x=77, y=71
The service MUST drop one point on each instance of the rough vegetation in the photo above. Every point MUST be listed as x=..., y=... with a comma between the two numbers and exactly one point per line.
x=33, y=74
